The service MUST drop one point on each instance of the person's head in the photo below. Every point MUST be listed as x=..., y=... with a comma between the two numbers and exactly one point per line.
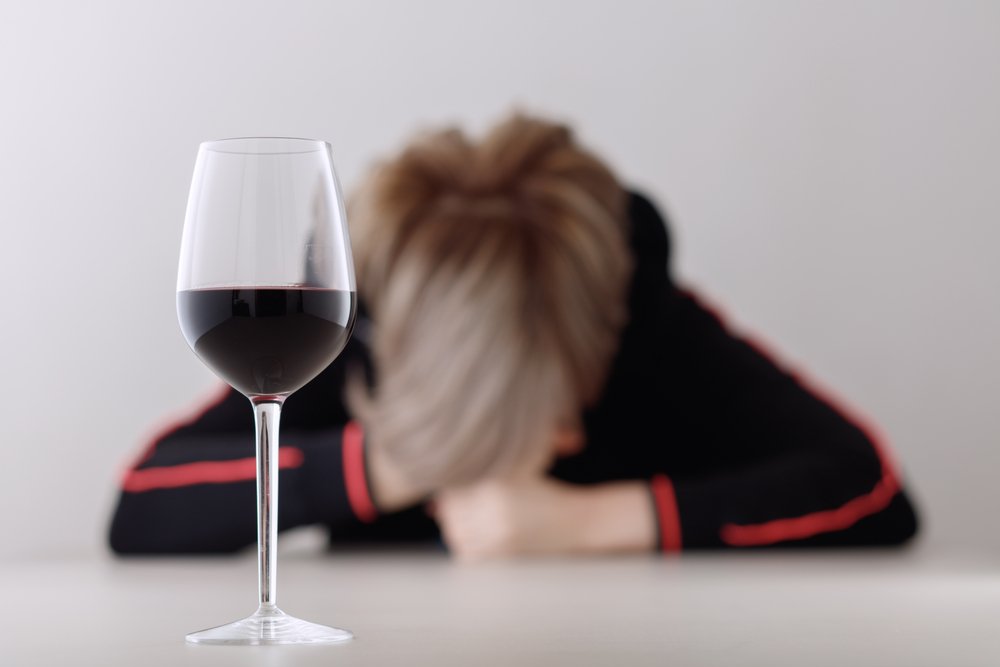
x=495, y=272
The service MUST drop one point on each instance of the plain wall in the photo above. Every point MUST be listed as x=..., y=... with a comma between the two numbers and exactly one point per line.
x=831, y=170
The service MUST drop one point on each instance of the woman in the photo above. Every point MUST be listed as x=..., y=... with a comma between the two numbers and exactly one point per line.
x=526, y=376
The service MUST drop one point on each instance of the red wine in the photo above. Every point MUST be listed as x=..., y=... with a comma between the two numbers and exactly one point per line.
x=266, y=341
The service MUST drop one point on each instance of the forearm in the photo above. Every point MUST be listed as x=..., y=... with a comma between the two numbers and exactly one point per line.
x=794, y=500
x=195, y=493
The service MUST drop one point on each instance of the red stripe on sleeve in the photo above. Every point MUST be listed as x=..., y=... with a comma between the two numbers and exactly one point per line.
x=205, y=472
x=215, y=396
x=668, y=519
x=824, y=521
x=355, y=479
x=801, y=527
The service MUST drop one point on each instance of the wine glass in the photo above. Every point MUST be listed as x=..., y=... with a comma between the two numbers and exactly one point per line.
x=266, y=298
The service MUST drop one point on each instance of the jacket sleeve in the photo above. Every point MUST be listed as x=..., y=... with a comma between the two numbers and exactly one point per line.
x=778, y=461
x=193, y=489
x=749, y=453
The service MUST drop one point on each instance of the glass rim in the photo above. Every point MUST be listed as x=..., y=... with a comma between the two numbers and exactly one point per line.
x=252, y=145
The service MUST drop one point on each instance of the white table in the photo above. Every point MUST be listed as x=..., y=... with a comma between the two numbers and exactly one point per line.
x=846, y=609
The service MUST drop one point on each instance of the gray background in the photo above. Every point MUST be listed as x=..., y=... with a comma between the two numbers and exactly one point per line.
x=831, y=170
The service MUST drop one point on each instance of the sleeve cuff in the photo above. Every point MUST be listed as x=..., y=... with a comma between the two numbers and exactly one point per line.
x=356, y=475
x=667, y=518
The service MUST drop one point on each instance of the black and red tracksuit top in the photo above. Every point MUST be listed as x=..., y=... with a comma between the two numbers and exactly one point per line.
x=738, y=449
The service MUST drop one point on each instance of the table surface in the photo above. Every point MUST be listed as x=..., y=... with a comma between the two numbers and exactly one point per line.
x=420, y=608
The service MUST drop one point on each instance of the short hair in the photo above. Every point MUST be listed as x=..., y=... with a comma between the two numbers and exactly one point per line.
x=496, y=275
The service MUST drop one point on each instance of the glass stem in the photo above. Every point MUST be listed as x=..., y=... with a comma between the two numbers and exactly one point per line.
x=267, y=416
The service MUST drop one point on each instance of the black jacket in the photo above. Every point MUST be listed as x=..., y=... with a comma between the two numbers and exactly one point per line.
x=738, y=451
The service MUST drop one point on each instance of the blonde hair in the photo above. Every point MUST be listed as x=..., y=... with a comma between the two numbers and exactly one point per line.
x=495, y=273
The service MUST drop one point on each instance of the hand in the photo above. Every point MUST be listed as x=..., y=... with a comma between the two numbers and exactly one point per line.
x=502, y=518
x=391, y=489
x=539, y=515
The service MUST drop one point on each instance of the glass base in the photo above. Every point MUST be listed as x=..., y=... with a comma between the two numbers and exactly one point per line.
x=269, y=626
